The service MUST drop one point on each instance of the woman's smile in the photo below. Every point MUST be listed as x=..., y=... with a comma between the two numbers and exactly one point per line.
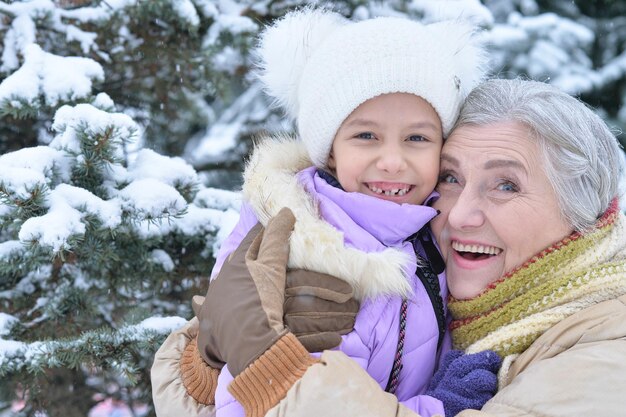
x=472, y=255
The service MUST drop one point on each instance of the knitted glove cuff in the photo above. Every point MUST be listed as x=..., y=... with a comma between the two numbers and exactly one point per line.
x=266, y=381
x=199, y=379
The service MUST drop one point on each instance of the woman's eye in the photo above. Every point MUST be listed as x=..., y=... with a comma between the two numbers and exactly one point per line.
x=365, y=135
x=447, y=178
x=508, y=187
x=417, y=138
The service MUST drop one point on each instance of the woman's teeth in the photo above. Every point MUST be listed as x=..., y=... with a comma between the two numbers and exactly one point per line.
x=476, y=249
x=393, y=191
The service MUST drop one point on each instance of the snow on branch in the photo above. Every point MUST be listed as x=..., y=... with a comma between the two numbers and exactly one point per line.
x=47, y=79
x=74, y=122
x=90, y=347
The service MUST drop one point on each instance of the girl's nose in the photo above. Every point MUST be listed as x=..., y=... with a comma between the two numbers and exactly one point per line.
x=391, y=160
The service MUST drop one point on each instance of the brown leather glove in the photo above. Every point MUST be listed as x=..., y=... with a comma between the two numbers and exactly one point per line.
x=317, y=308
x=242, y=315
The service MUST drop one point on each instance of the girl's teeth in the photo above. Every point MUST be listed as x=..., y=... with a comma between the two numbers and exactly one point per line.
x=392, y=192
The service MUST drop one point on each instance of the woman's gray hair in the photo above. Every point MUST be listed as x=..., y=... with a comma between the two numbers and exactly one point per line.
x=582, y=157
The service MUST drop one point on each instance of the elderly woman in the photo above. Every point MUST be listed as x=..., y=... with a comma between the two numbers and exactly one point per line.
x=535, y=248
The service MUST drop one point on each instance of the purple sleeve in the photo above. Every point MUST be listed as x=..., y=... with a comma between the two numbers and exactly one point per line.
x=247, y=220
x=425, y=405
x=225, y=404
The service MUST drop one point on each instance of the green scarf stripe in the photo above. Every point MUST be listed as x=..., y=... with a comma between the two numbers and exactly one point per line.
x=549, y=294
x=526, y=278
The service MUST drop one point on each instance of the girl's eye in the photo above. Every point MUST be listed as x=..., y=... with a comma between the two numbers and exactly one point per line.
x=417, y=138
x=508, y=187
x=365, y=135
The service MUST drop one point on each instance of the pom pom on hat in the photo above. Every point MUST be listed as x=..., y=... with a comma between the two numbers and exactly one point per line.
x=284, y=49
x=319, y=67
x=470, y=59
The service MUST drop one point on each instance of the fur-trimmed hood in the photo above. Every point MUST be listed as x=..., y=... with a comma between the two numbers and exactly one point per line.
x=271, y=183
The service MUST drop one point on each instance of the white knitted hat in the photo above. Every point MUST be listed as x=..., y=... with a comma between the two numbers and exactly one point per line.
x=319, y=67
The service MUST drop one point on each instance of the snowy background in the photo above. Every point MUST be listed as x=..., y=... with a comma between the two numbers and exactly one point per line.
x=123, y=128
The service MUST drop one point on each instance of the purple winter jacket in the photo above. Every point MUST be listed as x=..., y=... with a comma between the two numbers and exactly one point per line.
x=370, y=225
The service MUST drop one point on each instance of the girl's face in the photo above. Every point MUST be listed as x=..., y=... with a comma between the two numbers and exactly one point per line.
x=498, y=208
x=389, y=148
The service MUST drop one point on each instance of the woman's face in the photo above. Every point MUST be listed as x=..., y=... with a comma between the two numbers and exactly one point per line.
x=497, y=206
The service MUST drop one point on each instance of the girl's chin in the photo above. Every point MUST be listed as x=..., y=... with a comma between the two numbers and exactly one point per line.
x=393, y=199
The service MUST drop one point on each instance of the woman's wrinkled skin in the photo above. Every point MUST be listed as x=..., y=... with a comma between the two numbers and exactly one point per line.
x=497, y=206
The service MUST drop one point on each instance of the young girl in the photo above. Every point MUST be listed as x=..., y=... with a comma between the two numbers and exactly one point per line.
x=373, y=102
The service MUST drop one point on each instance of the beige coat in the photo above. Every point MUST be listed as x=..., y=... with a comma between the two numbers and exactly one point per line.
x=576, y=368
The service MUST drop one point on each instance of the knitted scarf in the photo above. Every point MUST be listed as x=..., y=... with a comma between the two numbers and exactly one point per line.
x=571, y=275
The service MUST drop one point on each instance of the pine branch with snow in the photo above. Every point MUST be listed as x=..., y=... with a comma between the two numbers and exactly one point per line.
x=93, y=244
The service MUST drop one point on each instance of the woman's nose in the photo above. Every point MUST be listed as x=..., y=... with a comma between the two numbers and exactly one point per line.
x=466, y=211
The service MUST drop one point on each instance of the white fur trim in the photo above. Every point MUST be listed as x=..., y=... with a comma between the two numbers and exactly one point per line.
x=270, y=184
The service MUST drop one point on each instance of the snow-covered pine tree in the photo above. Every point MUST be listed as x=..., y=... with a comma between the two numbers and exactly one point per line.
x=168, y=63
x=99, y=237
x=94, y=246
x=103, y=240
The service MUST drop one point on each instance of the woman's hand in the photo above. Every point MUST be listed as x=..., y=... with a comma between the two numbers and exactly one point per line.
x=465, y=381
